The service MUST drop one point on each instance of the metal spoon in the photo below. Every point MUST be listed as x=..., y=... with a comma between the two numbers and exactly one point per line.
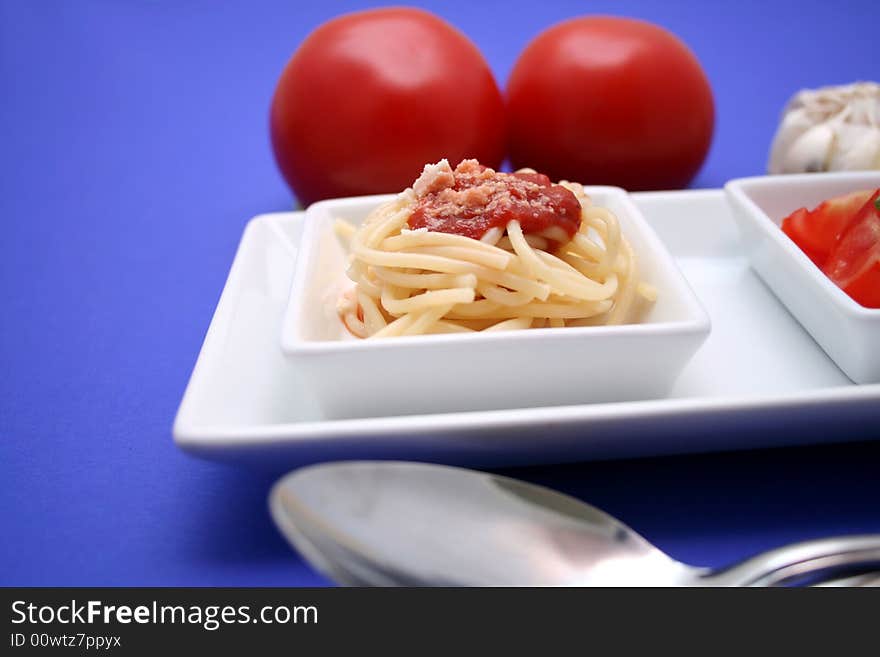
x=395, y=523
x=864, y=580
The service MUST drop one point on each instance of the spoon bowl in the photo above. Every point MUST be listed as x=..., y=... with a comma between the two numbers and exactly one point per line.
x=399, y=523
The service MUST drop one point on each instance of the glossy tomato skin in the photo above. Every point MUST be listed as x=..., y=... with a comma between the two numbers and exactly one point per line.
x=369, y=98
x=817, y=231
x=865, y=289
x=854, y=263
x=798, y=226
x=606, y=100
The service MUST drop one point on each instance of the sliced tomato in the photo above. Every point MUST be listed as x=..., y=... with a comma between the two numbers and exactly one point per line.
x=797, y=227
x=866, y=288
x=854, y=263
x=817, y=231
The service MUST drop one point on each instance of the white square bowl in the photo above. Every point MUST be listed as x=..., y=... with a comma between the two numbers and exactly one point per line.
x=847, y=331
x=463, y=372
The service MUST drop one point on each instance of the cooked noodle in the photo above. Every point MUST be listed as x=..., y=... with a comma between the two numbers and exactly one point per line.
x=412, y=282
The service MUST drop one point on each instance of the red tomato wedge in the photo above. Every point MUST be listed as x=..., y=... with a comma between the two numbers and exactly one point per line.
x=854, y=263
x=797, y=226
x=817, y=231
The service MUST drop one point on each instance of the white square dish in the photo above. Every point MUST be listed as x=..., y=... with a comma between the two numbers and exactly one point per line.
x=759, y=380
x=847, y=331
x=514, y=369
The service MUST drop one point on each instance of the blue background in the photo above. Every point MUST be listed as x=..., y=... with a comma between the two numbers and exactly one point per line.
x=133, y=149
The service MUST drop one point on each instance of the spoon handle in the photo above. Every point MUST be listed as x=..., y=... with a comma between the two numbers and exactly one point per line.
x=802, y=561
x=869, y=579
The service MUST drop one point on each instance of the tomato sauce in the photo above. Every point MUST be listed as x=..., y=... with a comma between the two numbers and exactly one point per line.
x=472, y=199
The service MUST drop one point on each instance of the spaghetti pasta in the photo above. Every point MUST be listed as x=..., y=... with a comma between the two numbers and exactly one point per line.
x=456, y=273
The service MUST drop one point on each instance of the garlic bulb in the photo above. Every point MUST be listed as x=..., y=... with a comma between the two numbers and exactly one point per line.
x=829, y=129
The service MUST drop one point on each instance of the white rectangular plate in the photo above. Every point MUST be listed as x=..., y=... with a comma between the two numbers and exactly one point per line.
x=759, y=380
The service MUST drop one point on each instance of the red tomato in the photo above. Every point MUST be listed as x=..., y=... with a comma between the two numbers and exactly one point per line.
x=797, y=227
x=610, y=100
x=369, y=98
x=817, y=231
x=854, y=264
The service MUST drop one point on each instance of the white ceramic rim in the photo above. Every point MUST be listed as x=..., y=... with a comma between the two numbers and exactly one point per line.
x=740, y=187
x=697, y=322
